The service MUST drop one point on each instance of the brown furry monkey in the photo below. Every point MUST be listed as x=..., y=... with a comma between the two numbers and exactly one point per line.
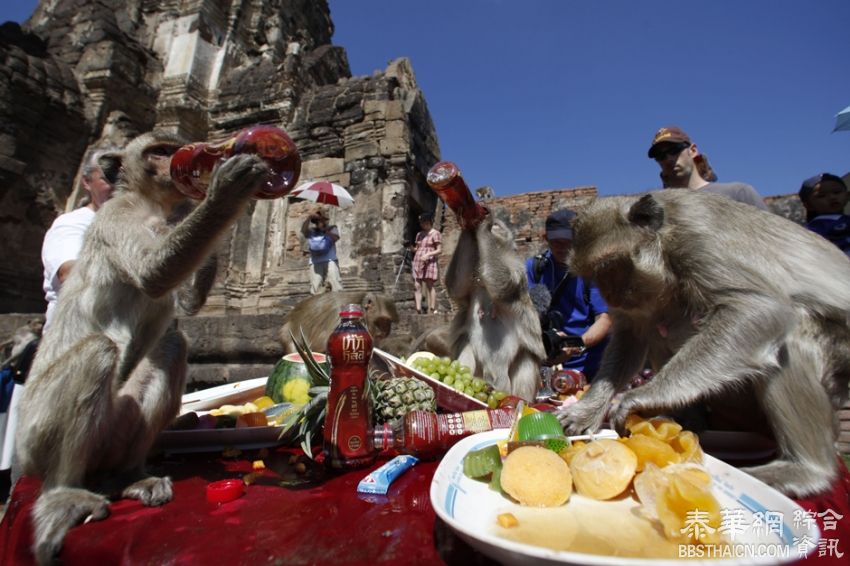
x=496, y=331
x=720, y=297
x=111, y=368
x=318, y=315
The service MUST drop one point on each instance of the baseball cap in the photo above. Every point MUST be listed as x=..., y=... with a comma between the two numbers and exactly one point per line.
x=809, y=184
x=559, y=225
x=668, y=134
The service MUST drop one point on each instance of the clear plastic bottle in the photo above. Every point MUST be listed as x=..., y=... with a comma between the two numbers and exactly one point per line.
x=348, y=423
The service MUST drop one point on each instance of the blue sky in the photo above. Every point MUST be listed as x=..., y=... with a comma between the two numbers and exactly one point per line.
x=567, y=93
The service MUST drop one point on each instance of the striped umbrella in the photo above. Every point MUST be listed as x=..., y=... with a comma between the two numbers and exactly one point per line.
x=323, y=192
x=842, y=120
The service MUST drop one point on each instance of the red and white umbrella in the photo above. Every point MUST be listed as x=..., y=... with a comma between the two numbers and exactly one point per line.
x=323, y=192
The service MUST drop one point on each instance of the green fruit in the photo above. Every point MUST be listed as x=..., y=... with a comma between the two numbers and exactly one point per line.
x=291, y=367
x=395, y=397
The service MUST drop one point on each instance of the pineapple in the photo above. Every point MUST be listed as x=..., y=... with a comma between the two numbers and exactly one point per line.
x=397, y=396
x=392, y=397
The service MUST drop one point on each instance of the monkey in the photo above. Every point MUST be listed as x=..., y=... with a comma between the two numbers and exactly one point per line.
x=318, y=316
x=435, y=340
x=496, y=330
x=111, y=368
x=721, y=298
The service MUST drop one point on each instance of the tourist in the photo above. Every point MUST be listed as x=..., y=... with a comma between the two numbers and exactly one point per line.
x=427, y=248
x=320, y=242
x=681, y=168
x=63, y=240
x=824, y=197
x=575, y=306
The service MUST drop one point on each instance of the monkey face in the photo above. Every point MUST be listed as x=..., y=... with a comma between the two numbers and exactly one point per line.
x=157, y=160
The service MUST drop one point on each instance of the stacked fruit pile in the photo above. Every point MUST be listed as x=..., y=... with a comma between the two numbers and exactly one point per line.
x=458, y=376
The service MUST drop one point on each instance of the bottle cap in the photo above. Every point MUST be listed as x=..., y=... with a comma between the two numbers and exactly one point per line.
x=225, y=490
x=351, y=311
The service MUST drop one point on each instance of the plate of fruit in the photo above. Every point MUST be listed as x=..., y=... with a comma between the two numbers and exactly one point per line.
x=651, y=498
x=253, y=424
x=455, y=387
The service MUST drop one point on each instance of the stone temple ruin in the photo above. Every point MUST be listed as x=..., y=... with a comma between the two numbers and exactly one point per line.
x=82, y=75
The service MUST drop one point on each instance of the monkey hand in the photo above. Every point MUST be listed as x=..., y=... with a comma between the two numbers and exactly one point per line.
x=627, y=404
x=584, y=417
x=236, y=180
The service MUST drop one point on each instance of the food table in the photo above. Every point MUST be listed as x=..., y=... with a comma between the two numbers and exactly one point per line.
x=320, y=519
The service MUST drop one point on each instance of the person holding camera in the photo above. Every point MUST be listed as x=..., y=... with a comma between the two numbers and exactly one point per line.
x=320, y=242
x=572, y=312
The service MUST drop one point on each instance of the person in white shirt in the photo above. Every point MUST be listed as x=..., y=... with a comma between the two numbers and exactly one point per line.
x=63, y=240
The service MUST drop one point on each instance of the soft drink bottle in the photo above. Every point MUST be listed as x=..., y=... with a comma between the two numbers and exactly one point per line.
x=348, y=422
x=428, y=435
x=192, y=165
x=445, y=179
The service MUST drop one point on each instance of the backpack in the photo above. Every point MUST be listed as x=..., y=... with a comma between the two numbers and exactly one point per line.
x=319, y=244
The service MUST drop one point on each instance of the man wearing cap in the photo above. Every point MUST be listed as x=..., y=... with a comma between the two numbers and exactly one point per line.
x=569, y=302
x=824, y=197
x=683, y=166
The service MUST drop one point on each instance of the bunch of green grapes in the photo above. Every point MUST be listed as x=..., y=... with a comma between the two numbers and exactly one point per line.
x=458, y=376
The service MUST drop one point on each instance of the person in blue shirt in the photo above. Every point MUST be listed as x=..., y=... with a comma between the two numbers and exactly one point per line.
x=583, y=312
x=824, y=197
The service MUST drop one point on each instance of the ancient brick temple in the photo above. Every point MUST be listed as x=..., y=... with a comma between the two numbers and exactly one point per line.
x=82, y=75
x=86, y=74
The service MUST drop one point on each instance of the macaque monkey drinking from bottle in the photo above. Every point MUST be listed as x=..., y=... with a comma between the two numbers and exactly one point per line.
x=111, y=369
x=720, y=297
x=496, y=331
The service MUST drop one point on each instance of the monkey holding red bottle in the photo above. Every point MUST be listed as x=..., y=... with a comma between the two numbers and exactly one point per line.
x=111, y=369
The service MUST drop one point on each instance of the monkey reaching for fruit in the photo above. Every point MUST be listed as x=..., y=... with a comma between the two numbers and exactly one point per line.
x=496, y=331
x=111, y=369
x=720, y=297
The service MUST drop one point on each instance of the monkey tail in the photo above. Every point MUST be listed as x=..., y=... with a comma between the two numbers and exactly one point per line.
x=57, y=510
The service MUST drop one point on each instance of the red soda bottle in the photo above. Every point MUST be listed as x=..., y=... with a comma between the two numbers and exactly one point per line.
x=192, y=165
x=428, y=435
x=445, y=179
x=348, y=422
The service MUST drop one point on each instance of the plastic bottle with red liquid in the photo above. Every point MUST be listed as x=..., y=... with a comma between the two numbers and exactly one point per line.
x=445, y=179
x=192, y=165
x=428, y=435
x=348, y=422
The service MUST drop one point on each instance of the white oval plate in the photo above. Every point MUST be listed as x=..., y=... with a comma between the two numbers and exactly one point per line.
x=612, y=529
x=234, y=393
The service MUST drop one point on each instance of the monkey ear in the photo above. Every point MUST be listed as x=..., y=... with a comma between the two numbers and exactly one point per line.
x=368, y=301
x=647, y=213
x=111, y=164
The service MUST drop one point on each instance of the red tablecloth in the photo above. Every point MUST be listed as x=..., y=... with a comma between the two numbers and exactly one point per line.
x=321, y=521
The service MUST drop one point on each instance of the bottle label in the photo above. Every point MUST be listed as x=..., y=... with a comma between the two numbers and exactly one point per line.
x=354, y=349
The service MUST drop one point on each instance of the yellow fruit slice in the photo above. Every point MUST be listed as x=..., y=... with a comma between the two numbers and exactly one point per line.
x=536, y=477
x=263, y=402
x=650, y=449
x=603, y=469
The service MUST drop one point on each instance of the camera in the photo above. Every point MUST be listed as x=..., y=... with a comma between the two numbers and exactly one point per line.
x=555, y=339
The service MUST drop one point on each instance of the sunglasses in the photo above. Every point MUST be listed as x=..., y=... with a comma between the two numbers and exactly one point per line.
x=663, y=153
